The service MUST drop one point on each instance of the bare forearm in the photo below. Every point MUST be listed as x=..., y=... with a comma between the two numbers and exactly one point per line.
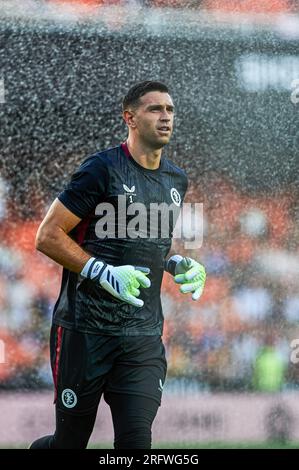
x=60, y=247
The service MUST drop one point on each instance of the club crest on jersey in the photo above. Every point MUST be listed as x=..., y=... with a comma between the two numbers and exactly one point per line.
x=129, y=192
x=69, y=398
x=175, y=196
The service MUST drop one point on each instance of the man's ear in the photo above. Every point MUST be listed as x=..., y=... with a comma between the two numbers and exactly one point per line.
x=129, y=118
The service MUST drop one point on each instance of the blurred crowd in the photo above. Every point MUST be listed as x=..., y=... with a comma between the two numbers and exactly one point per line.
x=238, y=336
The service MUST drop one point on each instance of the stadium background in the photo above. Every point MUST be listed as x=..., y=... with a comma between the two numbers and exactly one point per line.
x=64, y=67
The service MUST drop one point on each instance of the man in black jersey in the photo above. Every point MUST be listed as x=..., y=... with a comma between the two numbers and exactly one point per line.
x=108, y=321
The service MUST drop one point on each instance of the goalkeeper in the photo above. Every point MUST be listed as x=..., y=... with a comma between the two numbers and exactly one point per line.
x=108, y=321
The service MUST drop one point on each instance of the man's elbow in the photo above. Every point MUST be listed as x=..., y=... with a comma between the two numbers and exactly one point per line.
x=39, y=239
x=43, y=239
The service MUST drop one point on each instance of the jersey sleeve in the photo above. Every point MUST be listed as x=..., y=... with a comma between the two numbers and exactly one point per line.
x=185, y=184
x=86, y=188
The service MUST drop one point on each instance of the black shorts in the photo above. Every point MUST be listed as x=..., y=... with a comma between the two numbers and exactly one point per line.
x=85, y=366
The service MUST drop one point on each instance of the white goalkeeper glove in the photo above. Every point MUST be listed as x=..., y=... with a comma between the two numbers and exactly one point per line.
x=122, y=282
x=189, y=273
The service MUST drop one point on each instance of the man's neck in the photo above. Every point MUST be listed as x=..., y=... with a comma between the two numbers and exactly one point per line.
x=146, y=157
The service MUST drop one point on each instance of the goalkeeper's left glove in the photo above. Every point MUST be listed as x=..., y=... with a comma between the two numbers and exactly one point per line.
x=189, y=273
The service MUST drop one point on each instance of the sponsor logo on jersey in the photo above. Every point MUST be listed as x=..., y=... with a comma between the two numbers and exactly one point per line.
x=129, y=192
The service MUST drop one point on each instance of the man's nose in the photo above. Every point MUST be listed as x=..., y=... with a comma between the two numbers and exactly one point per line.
x=165, y=116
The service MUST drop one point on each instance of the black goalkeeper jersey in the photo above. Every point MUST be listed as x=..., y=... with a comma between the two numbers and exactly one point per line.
x=99, y=184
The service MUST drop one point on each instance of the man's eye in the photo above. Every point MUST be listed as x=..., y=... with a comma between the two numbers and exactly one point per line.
x=158, y=110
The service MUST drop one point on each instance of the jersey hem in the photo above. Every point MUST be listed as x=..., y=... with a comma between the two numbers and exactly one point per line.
x=102, y=331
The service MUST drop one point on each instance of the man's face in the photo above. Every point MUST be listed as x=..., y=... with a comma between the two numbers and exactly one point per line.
x=153, y=119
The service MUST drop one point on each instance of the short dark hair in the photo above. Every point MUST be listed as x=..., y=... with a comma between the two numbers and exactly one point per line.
x=140, y=89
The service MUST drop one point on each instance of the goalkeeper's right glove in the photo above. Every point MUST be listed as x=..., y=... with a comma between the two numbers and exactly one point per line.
x=120, y=281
